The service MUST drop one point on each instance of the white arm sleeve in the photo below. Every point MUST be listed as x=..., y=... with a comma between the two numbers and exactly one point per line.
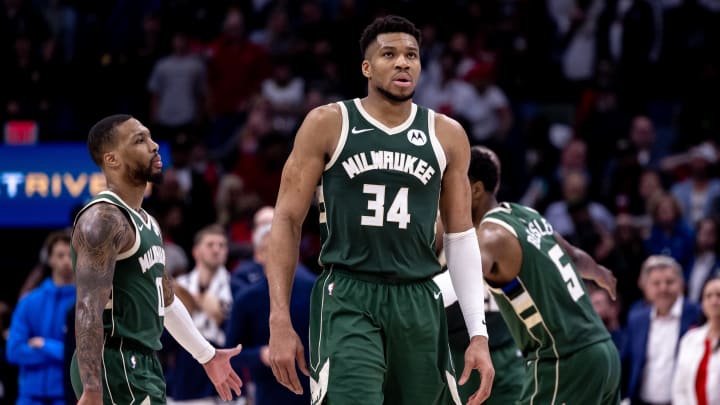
x=465, y=268
x=180, y=325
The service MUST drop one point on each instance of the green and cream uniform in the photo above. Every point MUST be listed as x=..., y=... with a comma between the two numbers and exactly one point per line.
x=570, y=358
x=133, y=315
x=378, y=327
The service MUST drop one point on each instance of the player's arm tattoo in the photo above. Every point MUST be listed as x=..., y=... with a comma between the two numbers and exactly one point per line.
x=101, y=232
x=168, y=290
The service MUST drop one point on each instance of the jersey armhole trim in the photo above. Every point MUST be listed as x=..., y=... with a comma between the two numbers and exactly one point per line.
x=134, y=248
x=501, y=223
x=343, y=136
x=435, y=142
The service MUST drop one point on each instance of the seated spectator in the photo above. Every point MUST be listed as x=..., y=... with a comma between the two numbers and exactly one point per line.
x=609, y=311
x=575, y=189
x=706, y=260
x=205, y=291
x=697, y=374
x=651, y=339
x=249, y=325
x=697, y=193
x=670, y=234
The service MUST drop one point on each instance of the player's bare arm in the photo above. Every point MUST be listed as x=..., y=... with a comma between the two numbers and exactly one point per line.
x=315, y=143
x=168, y=289
x=501, y=254
x=587, y=267
x=455, y=200
x=100, y=234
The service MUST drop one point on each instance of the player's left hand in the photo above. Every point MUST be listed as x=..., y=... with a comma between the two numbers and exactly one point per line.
x=477, y=357
x=607, y=281
x=222, y=374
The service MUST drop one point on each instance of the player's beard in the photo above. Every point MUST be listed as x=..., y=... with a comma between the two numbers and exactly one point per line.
x=143, y=175
x=394, y=97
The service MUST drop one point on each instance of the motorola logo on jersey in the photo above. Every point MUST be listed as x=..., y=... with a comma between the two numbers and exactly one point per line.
x=417, y=137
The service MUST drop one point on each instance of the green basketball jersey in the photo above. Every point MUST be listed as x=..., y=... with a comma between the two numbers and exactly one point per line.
x=135, y=309
x=546, y=307
x=379, y=195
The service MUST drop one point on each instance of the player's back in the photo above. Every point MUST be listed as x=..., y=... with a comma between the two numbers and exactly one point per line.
x=546, y=306
x=379, y=196
x=135, y=308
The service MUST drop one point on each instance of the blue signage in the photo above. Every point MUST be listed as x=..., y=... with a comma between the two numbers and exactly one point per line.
x=41, y=185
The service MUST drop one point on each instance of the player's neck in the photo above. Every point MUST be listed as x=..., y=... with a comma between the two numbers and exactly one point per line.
x=483, y=209
x=131, y=195
x=390, y=113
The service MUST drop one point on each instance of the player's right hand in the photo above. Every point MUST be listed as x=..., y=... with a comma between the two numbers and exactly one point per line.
x=285, y=349
x=477, y=357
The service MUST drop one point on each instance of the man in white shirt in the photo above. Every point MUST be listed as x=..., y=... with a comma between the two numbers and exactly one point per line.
x=206, y=293
x=651, y=341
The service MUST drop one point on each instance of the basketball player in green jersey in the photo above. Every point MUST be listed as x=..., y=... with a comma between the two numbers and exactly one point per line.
x=380, y=168
x=535, y=277
x=124, y=297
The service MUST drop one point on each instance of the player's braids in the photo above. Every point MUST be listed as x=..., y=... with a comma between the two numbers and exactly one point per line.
x=483, y=168
x=101, y=135
x=382, y=25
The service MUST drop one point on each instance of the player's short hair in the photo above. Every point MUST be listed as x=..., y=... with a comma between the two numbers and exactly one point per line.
x=102, y=135
x=383, y=25
x=483, y=168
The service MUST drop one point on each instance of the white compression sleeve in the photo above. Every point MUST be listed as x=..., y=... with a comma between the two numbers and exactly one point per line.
x=180, y=325
x=465, y=268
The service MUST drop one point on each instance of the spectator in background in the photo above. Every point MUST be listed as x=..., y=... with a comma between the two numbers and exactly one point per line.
x=19, y=17
x=250, y=327
x=631, y=254
x=250, y=271
x=37, y=330
x=670, y=234
x=651, y=340
x=26, y=82
x=488, y=110
x=696, y=193
x=697, y=374
x=208, y=299
x=235, y=206
x=285, y=91
x=8, y=372
x=575, y=190
x=236, y=68
x=609, y=312
x=442, y=90
x=706, y=260
x=178, y=87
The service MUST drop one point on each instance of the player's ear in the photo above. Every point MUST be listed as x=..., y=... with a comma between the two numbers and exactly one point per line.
x=110, y=159
x=366, y=70
x=477, y=188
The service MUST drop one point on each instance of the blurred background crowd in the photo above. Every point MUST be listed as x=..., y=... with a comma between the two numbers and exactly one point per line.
x=603, y=112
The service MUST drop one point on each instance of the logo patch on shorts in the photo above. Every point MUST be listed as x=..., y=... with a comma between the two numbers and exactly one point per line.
x=331, y=287
x=319, y=387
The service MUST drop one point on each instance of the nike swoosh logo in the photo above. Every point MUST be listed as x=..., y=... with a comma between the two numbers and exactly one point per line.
x=140, y=227
x=359, y=131
x=437, y=294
